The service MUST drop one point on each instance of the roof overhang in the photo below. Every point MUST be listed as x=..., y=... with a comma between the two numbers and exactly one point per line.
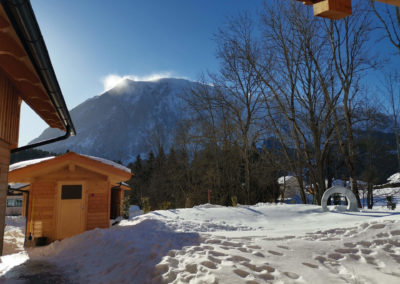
x=40, y=167
x=25, y=60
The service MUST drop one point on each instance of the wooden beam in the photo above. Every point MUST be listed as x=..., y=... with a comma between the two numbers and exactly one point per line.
x=333, y=9
x=390, y=2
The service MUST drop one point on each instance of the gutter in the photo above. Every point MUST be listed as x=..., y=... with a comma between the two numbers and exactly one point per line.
x=22, y=17
x=45, y=142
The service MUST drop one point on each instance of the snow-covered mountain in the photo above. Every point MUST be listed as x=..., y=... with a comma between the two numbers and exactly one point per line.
x=126, y=120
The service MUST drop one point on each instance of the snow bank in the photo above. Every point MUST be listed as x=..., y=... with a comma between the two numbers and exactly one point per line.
x=395, y=178
x=245, y=244
x=134, y=211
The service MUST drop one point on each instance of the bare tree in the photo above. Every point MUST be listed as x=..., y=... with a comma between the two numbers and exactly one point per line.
x=350, y=58
x=296, y=106
x=389, y=19
x=392, y=101
x=237, y=86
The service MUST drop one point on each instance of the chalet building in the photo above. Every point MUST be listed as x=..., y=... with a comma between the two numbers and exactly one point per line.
x=26, y=74
x=289, y=187
x=337, y=9
x=70, y=194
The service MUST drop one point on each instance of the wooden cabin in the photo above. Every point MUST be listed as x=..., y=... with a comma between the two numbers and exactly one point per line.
x=68, y=194
x=337, y=9
x=26, y=74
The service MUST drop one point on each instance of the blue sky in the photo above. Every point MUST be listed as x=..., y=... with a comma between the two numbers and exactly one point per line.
x=94, y=42
x=89, y=40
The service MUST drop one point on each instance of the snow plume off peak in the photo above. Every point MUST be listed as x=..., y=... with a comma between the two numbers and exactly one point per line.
x=112, y=80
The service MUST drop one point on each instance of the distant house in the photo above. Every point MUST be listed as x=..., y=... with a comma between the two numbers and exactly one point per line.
x=289, y=187
x=15, y=204
x=69, y=194
x=394, y=179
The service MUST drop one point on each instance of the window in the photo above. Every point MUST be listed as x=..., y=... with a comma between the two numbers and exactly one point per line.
x=14, y=202
x=71, y=191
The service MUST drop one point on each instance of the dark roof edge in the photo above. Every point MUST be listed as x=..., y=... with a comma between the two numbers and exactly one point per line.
x=23, y=19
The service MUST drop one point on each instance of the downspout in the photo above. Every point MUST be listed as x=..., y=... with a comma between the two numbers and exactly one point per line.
x=63, y=137
x=26, y=206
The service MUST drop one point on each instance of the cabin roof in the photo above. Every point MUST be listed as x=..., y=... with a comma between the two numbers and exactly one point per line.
x=19, y=170
x=25, y=60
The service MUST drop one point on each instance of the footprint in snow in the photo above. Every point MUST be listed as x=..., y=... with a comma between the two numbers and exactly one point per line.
x=395, y=233
x=346, y=250
x=238, y=258
x=253, y=267
x=291, y=275
x=283, y=247
x=310, y=265
x=377, y=226
x=209, y=264
x=335, y=256
x=275, y=253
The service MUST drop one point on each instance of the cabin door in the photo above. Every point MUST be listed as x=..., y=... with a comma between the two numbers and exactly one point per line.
x=71, y=211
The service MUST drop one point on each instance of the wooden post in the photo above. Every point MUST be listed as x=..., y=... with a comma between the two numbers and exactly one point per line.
x=4, y=162
x=10, y=104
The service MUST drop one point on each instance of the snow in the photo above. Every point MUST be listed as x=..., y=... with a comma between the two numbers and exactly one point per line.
x=134, y=211
x=395, y=178
x=17, y=185
x=209, y=243
x=285, y=179
x=36, y=161
x=14, y=234
x=108, y=162
x=24, y=164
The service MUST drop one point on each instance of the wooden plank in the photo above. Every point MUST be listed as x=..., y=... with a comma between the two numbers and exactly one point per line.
x=10, y=104
x=333, y=9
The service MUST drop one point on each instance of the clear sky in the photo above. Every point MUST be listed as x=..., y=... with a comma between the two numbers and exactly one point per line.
x=89, y=40
x=93, y=42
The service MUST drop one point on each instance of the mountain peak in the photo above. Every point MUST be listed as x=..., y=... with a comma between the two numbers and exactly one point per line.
x=122, y=122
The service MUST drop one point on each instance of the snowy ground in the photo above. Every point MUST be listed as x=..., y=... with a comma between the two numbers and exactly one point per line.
x=14, y=234
x=264, y=243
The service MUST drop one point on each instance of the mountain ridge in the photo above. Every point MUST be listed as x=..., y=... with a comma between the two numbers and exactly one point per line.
x=118, y=123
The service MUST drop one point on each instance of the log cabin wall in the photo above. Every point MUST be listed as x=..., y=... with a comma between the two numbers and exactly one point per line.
x=98, y=214
x=42, y=218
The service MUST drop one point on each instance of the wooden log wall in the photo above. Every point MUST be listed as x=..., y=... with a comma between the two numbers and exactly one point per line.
x=98, y=213
x=42, y=218
x=10, y=105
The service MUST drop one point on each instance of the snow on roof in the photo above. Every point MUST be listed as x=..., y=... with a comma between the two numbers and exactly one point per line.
x=108, y=162
x=17, y=185
x=395, y=178
x=284, y=179
x=23, y=164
